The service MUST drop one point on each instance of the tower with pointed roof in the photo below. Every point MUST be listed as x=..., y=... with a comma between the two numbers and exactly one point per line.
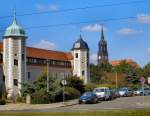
x=80, y=53
x=14, y=55
x=102, y=52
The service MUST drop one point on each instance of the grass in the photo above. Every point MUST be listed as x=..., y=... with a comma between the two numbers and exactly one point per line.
x=145, y=112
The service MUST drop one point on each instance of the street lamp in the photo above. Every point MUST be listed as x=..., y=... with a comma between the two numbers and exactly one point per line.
x=116, y=79
x=64, y=82
x=47, y=75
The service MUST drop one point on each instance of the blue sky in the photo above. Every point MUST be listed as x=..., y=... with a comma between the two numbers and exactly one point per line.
x=126, y=38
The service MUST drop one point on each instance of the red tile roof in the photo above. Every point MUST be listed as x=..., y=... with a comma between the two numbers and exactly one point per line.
x=130, y=61
x=45, y=54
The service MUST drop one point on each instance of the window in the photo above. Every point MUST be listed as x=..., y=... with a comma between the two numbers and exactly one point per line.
x=15, y=82
x=76, y=55
x=83, y=73
x=3, y=78
x=23, y=57
x=16, y=62
x=29, y=76
x=1, y=57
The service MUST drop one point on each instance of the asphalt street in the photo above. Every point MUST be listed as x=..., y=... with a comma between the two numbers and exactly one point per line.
x=119, y=103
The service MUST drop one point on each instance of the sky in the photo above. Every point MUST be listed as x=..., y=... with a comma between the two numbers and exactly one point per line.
x=57, y=24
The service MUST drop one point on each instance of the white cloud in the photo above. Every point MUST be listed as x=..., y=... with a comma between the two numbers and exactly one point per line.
x=93, y=58
x=128, y=31
x=47, y=7
x=93, y=28
x=45, y=45
x=143, y=18
x=148, y=49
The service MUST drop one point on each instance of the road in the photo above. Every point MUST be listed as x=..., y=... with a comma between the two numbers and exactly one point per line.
x=119, y=103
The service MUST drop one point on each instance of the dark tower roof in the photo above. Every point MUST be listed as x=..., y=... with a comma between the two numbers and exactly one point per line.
x=80, y=44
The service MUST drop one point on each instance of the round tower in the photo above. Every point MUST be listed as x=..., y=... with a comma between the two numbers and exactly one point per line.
x=14, y=58
x=80, y=52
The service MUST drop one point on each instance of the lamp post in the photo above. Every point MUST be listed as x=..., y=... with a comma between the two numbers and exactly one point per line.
x=116, y=79
x=64, y=82
x=47, y=76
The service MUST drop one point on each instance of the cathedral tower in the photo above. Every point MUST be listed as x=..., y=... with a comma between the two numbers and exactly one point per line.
x=102, y=52
x=14, y=58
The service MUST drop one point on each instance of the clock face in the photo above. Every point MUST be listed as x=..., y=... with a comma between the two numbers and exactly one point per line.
x=77, y=45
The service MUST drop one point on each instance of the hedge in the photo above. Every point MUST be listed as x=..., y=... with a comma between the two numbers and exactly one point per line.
x=2, y=102
x=71, y=93
x=39, y=97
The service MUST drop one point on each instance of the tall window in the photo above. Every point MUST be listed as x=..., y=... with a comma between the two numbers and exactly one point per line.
x=3, y=78
x=83, y=73
x=76, y=55
x=16, y=62
x=15, y=82
x=23, y=57
x=29, y=76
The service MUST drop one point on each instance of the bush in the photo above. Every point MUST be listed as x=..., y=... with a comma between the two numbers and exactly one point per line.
x=19, y=99
x=76, y=83
x=71, y=93
x=89, y=87
x=39, y=97
x=2, y=102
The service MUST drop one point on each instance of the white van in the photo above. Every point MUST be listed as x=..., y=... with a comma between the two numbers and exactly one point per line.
x=103, y=93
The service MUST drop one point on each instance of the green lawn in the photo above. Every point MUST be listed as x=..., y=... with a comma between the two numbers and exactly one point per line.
x=145, y=112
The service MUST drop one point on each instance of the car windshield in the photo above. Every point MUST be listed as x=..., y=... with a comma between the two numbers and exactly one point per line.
x=99, y=90
x=123, y=89
x=87, y=94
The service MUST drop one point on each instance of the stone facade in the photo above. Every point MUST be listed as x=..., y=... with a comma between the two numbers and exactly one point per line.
x=19, y=63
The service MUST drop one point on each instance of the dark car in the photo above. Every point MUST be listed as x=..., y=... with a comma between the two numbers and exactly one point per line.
x=88, y=97
x=114, y=94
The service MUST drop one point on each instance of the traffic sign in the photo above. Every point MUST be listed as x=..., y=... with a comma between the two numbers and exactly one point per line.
x=148, y=80
x=142, y=80
x=64, y=82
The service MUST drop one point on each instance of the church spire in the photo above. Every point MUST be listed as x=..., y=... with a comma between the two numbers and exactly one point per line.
x=102, y=51
x=102, y=33
x=14, y=17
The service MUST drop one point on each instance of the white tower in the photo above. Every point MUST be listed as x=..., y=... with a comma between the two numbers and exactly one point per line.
x=80, y=52
x=14, y=58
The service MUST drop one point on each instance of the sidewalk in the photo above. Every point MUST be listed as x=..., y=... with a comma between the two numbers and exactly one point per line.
x=22, y=106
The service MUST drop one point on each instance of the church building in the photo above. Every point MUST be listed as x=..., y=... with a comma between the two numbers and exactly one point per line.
x=19, y=63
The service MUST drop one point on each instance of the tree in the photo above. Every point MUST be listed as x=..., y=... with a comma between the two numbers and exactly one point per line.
x=95, y=74
x=40, y=86
x=76, y=83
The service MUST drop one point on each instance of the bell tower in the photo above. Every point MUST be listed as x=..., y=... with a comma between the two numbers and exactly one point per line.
x=14, y=58
x=80, y=52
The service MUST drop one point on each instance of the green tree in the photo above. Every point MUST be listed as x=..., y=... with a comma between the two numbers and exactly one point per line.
x=76, y=83
x=95, y=74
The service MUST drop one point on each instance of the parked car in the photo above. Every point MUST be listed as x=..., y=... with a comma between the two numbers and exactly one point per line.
x=103, y=93
x=88, y=97
x=140, y=91
x=114, y=93
x=125, y=92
